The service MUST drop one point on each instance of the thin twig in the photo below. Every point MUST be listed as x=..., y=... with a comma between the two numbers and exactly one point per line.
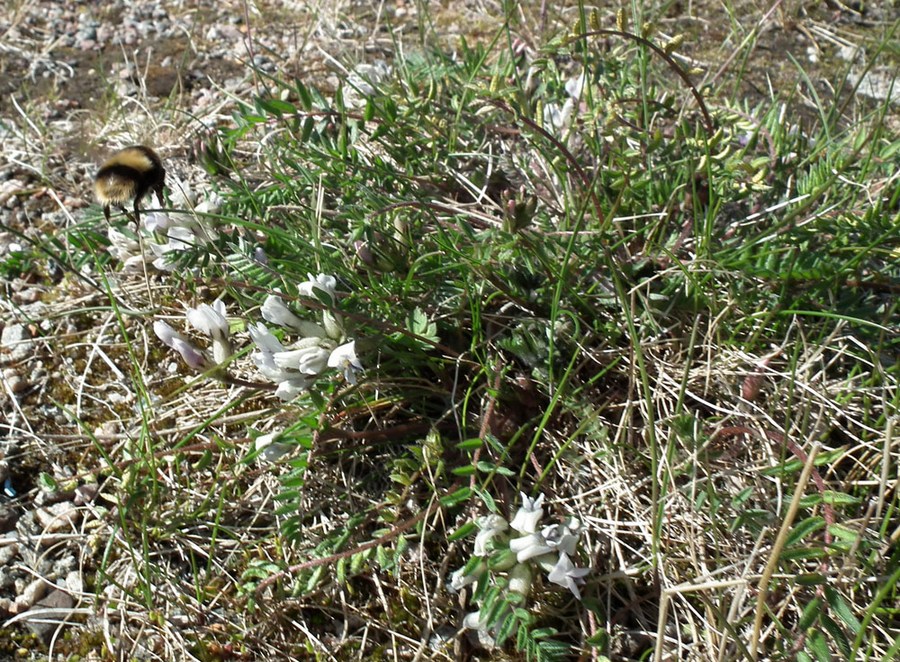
x=313, y=563
x=780, y=541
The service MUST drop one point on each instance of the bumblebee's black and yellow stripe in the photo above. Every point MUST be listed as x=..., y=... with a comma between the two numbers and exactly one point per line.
x=129, y=174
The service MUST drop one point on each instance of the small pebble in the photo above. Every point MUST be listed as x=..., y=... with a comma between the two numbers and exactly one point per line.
x=16, y=339
x=59, y=517
x=32, y=593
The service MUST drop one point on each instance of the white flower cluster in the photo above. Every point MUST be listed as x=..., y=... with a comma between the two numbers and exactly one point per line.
x=168, y=233
x=293, y=368
x=548, y=548
x=209, y=320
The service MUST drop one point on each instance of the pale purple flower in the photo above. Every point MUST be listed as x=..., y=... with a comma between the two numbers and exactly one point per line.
x=529, y=514
x=165, y=332
x=565, y=574
x=364, y=253
x=344, y=359
x=192, y=356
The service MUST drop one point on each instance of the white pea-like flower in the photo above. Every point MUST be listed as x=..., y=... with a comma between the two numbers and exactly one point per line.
x=179, y=239
x=323, y=282
x=291, y=382
x=332, y=325
x=344, y=359
x=529, y=514
x=166, y=333
x=290, y=388
x=562, y=537
x=529, y=546
x=211, y=205
x=459, y=579
x=264, y=358
x=489, y=527
x=211, y=320
x=156, y=221
x=269, y=448
x=275, y=311
x=472, y=620
x=575, y=85
x=307, y=357
x=565, y=574
x=122, y=246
